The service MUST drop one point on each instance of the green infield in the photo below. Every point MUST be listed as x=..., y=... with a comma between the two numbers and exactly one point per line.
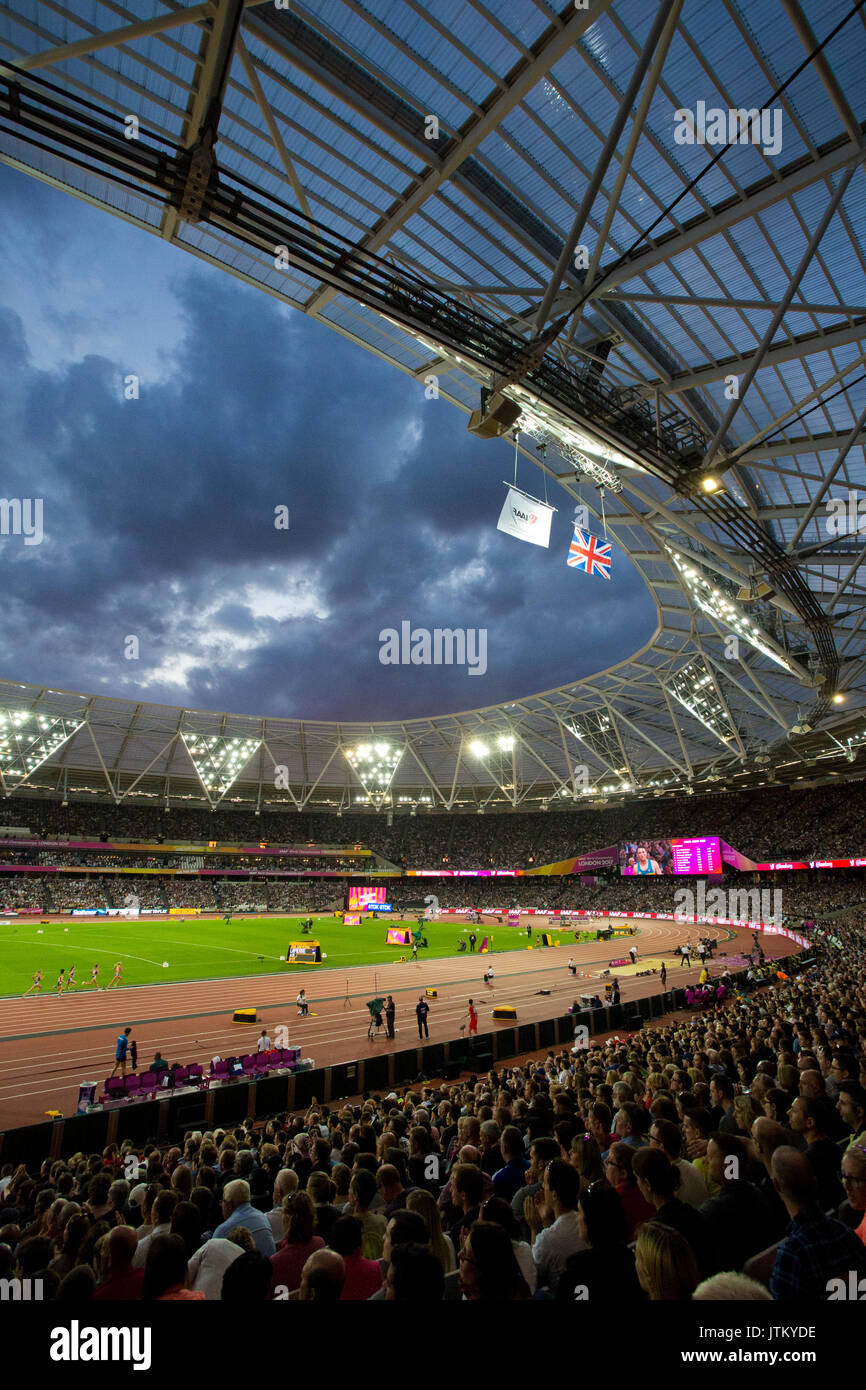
x=157, y=951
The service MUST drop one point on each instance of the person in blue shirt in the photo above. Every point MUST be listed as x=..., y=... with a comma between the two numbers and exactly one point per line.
x=238, y=1212
x=121, y=1051
x=511, y=1177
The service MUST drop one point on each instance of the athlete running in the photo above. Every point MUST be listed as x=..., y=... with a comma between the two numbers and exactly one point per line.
x=115, y=979
x=37, y=985
x=94, y=977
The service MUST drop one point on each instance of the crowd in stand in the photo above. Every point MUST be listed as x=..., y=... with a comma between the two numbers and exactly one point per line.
x=714, y=1159
x=813, y=898
x=56, y=894
x=767, y=824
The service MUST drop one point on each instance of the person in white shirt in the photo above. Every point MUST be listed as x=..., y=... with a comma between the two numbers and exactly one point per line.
x=303, y=1006
x=553, y=1222
x=207, y=1266
x=264, y=1043
x=665, y=1135
x=286, y=1182
x=163, y=1209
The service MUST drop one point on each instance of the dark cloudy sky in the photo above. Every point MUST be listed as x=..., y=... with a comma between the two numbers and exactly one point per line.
x=158, y=513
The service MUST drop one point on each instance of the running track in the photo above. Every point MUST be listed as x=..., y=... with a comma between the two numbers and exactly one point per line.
x=49, y=1044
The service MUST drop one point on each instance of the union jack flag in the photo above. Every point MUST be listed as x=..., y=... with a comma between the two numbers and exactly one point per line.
x=585, y=553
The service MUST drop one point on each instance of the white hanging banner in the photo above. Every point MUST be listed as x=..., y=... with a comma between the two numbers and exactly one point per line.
x=522, y=516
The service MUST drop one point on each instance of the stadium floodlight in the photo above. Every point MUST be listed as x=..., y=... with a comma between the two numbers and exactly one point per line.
x=219, y=760
x=694, y=687
x=374, y=765
x=28, y=740
x=569, y=443
x=505, y=742
x=710, y=599
x=478, y=749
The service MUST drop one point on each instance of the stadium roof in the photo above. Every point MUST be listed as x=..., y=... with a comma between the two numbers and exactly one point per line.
x=642, y=226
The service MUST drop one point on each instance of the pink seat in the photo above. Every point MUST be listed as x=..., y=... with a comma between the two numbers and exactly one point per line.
x=114, y=1087
x=180, y=1075
x=149, y=1081
x=195, y=1071
x=132, y=1083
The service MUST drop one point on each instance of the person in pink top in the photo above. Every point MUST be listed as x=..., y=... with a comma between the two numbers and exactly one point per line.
x=165, y=1272
x=854, y=1182
x=299, y=1243
x=473, y=1019
x=363, y=1277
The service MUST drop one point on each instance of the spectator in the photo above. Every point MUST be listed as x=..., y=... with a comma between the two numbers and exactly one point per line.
x=659, y=1183
x=362, y=1192
x=285, y=1182
x=247, y=1279
x=163, y=1210
x=498, y=1211
x=620, y=1175
x=322, y=1278
x=120, y=1280
x=165, y=1272
x=489, y=1271
x=298, y=1243
x=666, y=1136
x=605, y=1269
x=553, y=1221
x=467, y=1188
x=665, y=1265
x=206, y=1268
x=511, y=1177
x=817, y=1248
x=854, y=1182
x=362, y=1277
x=809, y=1118
x=739, y=1221
x=440, y=1244
x=237, y=1211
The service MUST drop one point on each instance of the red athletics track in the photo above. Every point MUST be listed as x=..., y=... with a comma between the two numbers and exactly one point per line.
x=49, y=1044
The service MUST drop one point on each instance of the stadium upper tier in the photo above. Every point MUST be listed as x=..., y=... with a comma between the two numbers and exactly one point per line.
x=532, y=204
x=772, y=824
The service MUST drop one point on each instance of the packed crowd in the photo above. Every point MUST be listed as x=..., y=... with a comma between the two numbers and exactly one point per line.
x=768, y=824
x=97, y=859
x=818, y=898
x=715, y=1159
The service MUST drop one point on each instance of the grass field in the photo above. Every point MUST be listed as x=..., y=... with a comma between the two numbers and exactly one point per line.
x=203, y=948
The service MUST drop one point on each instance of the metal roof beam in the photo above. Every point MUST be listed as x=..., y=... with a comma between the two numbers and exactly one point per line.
x=524, y=76
x=115, y=37
x=802, y=173
x=803, y=346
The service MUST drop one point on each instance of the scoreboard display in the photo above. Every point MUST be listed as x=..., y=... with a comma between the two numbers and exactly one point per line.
x=361, y=897
x=304, y=953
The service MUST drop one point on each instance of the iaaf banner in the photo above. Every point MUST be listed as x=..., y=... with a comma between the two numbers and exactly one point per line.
x=524, y=517
x=769, y=927
x=735, y=859
x=606, y=858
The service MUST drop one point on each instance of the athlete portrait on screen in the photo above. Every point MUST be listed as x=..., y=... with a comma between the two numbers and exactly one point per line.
x=644, y=864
